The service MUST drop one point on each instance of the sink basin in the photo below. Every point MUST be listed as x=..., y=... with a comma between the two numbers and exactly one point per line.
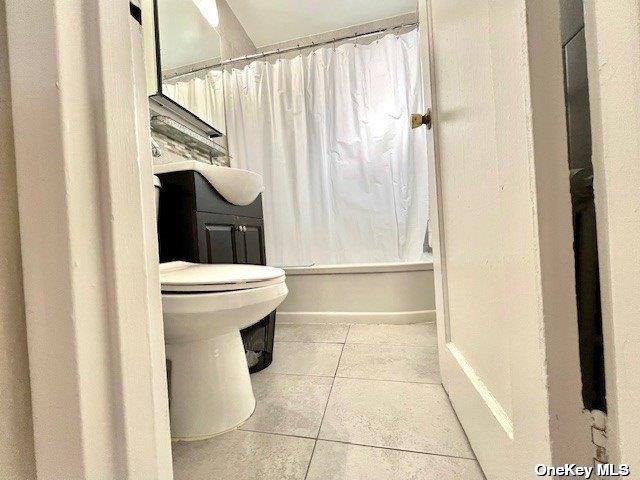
x=240, y=187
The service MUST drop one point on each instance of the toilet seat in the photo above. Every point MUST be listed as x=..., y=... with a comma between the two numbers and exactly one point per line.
x=184, y=277
x=193, y=294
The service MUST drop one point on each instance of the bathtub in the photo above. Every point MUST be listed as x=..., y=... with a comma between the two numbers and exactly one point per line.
x=391, y=293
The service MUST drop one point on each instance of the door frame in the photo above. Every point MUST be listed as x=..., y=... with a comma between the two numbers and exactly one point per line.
x=89, y=247
x=613, y=61
x=548, y=424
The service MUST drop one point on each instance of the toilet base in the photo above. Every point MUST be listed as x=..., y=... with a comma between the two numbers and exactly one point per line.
x=210, y=387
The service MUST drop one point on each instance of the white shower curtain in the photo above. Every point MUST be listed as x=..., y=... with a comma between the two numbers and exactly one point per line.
x=203, y=96
x=345, y=176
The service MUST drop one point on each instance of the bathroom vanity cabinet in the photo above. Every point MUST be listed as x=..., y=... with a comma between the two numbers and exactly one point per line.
x=196, y=224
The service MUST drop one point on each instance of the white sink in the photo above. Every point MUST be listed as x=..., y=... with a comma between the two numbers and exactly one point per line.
x=240, y=187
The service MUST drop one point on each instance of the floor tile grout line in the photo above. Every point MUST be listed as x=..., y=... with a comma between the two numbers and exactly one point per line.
x=346, y=336
x=313, y=451
x=413, y=382
x=379, y=344
x=434, y=347
x=295, y=324
x=397, y=449
x=335, y=373
x=373, y=344
x=296, y=374
x=309, y=341
x=279, y=434
x=318, y=439
x=356, y=343
x=324, y=412
x=333, y=382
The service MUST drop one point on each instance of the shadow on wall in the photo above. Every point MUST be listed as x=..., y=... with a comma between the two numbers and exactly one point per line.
x=17, y=459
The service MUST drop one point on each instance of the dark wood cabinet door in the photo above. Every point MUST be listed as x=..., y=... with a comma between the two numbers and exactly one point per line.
x=240, y=248
x=252, y=230
x=217, y=239
x=230, y=239
x=253, y=245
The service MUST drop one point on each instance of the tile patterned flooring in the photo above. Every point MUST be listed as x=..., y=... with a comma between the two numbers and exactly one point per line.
x=342, y=402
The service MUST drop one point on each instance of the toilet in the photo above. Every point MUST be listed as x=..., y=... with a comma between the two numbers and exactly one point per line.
x=204, y=308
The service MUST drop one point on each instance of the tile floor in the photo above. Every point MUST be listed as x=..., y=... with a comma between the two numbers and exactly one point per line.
x=342, y=402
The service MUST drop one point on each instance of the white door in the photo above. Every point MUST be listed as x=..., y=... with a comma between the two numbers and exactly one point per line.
x=492, y=344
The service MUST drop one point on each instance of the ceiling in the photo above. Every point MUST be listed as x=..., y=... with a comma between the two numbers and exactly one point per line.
x=273, y=21
x=185, y=36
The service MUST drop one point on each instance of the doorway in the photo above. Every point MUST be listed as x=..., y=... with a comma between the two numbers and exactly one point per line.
x=585, y=243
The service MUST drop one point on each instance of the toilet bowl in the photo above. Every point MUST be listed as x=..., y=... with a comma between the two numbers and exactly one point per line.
x=204, y=309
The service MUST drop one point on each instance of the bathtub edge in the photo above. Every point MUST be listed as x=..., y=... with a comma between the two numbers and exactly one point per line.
x=359, y=268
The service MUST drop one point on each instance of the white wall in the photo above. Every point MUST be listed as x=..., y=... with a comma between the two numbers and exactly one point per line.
x=275, y=21
x=17, y=460
x=235, y=41
x=613, y=51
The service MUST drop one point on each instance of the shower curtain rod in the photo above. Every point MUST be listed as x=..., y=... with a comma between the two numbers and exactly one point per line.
x=279, y=51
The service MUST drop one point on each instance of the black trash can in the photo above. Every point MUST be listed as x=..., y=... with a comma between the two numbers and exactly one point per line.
x=258, y=343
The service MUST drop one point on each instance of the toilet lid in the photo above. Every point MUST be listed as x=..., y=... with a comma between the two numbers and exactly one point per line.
x=198, y=277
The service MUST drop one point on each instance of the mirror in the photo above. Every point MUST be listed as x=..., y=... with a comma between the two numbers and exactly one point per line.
x=187, y=48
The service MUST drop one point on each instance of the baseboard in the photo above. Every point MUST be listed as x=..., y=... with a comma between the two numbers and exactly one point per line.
x=372, y=318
